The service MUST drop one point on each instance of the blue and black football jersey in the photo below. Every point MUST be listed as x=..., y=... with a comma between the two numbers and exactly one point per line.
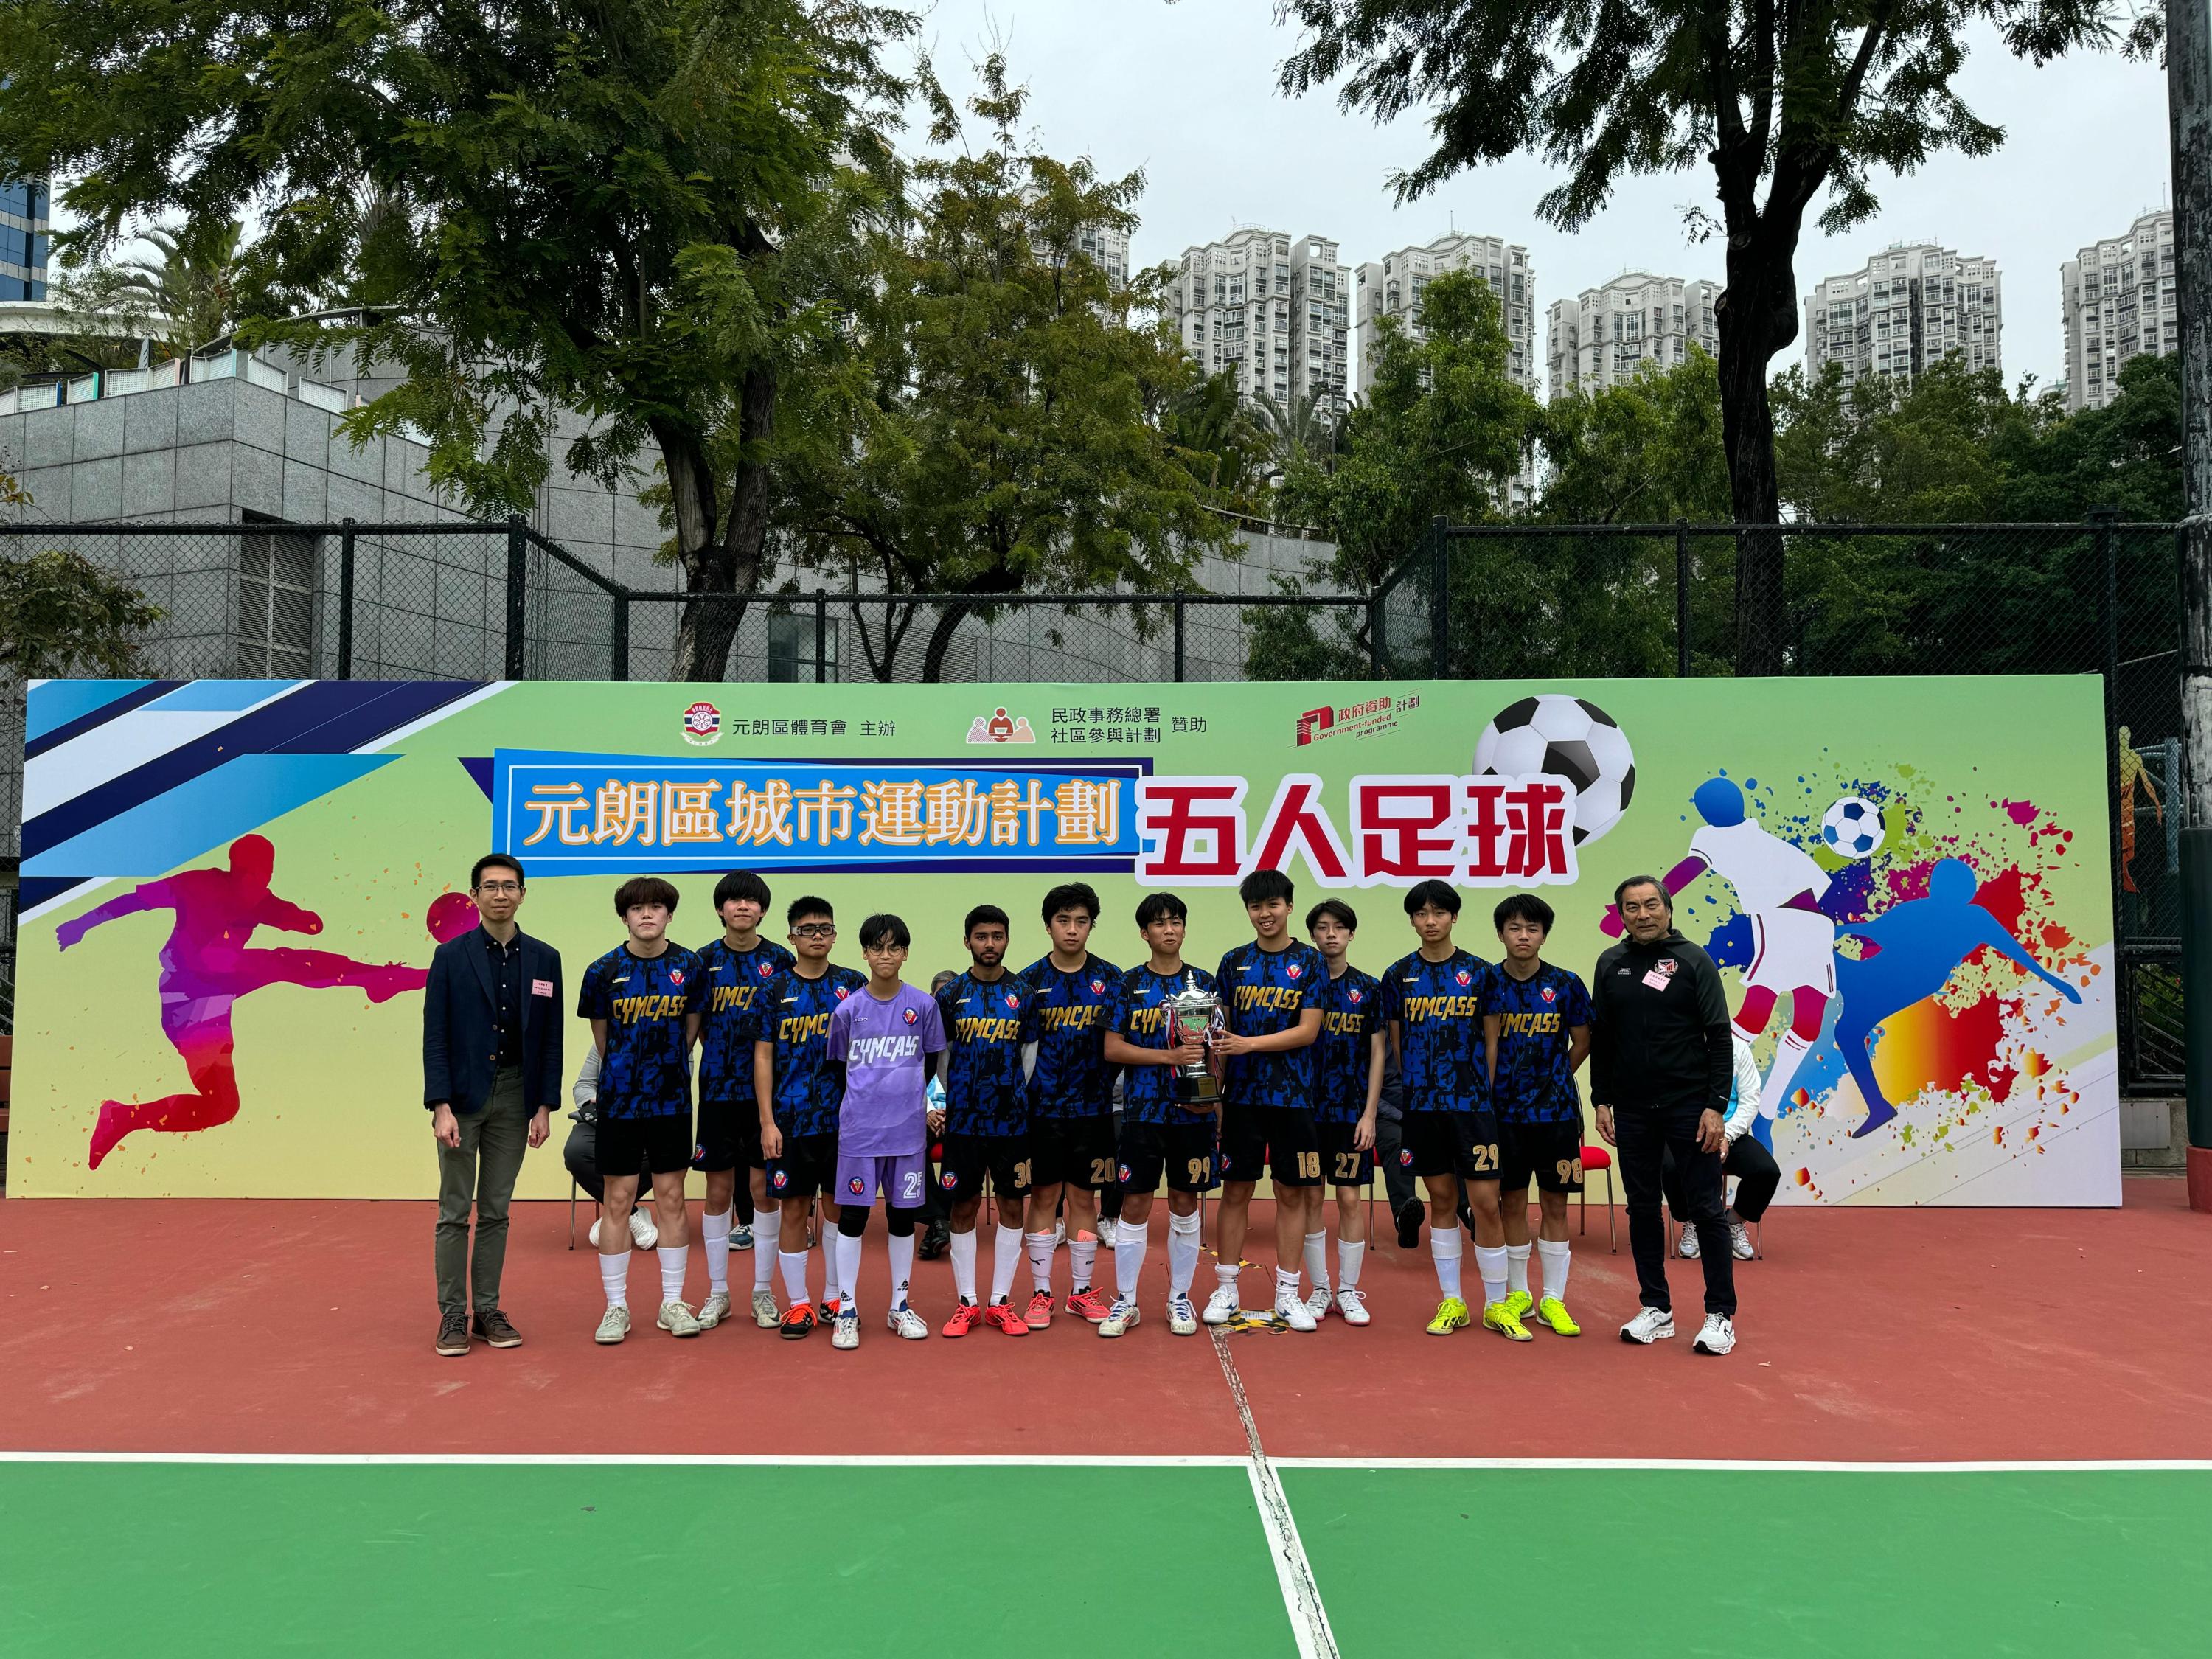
x=792, y=1011
x=985, y=1025
x=645, y=1000
x=1534, y=1085
x=1141, y=1016
x=1441, y=1004
x=1350, y=1016
x=1264, y=991
x=1072, y=1079
x=735, y=980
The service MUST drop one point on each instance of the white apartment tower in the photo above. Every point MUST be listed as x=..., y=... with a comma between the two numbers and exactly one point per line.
x=1273, y=310
x=2117, y=296
x=1606, y=335
x=1392, y=287
x=1909, y=307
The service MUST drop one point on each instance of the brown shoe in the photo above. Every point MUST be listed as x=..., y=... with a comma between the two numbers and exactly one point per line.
x=453, y=1334
x=492, y=1327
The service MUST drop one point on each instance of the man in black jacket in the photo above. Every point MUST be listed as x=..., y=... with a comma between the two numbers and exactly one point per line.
x=492, y=1073
x=1660, y=1067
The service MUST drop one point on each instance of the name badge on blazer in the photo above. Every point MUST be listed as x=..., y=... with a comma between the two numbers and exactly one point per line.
x=541, y=988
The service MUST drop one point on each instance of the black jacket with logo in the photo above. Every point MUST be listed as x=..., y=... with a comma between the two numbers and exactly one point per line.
x=1666, y=1044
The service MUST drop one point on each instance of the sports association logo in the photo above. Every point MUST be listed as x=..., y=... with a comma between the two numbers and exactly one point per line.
x=1293, y=971
x=676, y=976
x=910, y=1016
x=703, y=726
x=843, y=991
x=1464, y=977
x=856, y=1186
x=1013, y=1000
x=1000, y=726
x=1098, y=987
x=1549, y=994
x=1353, y=995
x=1405, y=1158
x=1125, y=1173
x=765, y=968
x=948, y=1180
x=779, y=1180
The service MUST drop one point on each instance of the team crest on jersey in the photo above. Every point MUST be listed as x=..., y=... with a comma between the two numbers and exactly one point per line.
x=1292, y=971
x=1352, y=995
x=1665, y=967
x=856, y=1186
x=1125, y=1172
x=765, y=969
x=1549, y=994
x=779, y=1181
x=676, y=976
x=1097, y=987
x=1404, y=1157
x=1463, y=976
x=911, y=1015
x=841, y=993
x=948, y=1180
x=1013, y=1000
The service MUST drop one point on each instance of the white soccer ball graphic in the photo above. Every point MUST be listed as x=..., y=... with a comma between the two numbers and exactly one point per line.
x=1854, y=827
x=1569, y=738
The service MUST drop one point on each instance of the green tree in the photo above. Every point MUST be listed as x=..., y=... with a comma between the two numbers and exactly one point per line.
x=1306, y=426
x=1206, y=424
x=1790, y=105
x=637, y=211
x=62, y=614
x=193, y=282
x=1647, y=452
x=982, y=428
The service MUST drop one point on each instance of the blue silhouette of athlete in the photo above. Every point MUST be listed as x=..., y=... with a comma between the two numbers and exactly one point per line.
x=1918, y=945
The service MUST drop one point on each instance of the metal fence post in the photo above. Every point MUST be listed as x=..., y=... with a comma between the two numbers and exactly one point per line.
x=1379, y=653
x=517, y=576
x=2101, y=520
x=345, y=598
x=621, y=641
x=1682, y=599
x=821, y=637
x=1178, y=638
x=1439, y=598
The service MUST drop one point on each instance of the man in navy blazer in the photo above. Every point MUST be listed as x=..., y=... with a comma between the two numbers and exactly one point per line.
x=491, y=1073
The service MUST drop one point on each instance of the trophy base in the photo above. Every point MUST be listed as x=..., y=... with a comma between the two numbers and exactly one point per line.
x=1197, y=1093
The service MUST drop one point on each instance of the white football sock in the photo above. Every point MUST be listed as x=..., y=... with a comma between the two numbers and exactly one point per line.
x=963, y=1264
x=793, y=1263
x=714, y=1233
x=767, y=1246
x=1443, y=1251
x=829, y=1280
x=1350, y=1252
x=1006, y=1256
x=902, y=1266
x=1789, y=1054
x=1287, y=1283
x=1082, y=1259
x=673, y=1259
x=1040, y=1247
x=614, y=1278
x=849, y=1267
x=1131, y=1240
x=1182, y=1252
x=1227, y=1273
x=1516, y=1268
x=1490, y=1262
x=1317, y=1259
x=1557, y=1255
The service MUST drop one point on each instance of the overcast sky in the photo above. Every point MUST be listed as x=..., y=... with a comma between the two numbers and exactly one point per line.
x=1187, y=93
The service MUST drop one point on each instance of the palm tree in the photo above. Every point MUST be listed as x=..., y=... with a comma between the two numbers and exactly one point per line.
x=1307, y=426
x=193, y=283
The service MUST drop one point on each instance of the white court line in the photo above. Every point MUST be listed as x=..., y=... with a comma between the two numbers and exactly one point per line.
x=1294, y=1574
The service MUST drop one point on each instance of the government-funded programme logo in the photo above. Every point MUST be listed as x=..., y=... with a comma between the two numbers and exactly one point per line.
x=1313, y=723
x=1360, y=720
x=998, y=726
x=703, y=726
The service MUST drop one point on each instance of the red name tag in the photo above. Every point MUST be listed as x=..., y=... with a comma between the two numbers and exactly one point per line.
x=541, y=988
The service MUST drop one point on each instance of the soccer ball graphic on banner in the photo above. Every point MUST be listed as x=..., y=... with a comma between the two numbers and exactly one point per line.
x=1854, y=827
x=1569, y=738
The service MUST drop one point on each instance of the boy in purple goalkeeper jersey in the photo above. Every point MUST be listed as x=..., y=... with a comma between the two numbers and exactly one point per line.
x=881, y=1042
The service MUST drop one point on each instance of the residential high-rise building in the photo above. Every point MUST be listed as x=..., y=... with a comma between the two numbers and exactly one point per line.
x=1911, y=307
x=1605, y=335
x=1273, y=310
x=23, y=231
x=1392, y=286
x=2117, y=295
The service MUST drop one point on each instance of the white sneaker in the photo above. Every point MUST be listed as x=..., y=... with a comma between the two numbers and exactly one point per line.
x=614, y=1325
x=1740, y=1240
x=1223, y=1305
x=592, y=1237
x=1319, y=1302
x=764, y=1313
x=908, y=1323
x=714, y=1309
x=845, y=1333
x=677, y=1319
x=1059, y=1235
x=1291, y=1308
x=1353, y=1305
x=1649, y=1325
x=1687, y=1247
x=1182, y=1318
x=1107, y=1233
x=642, y=1232
x=1119, y=1318
x=1716, y=1336
x=741, y=1238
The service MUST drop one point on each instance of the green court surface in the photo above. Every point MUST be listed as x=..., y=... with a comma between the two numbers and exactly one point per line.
x=919, y=1558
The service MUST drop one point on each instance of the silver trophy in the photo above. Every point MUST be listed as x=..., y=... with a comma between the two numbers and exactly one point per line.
x=1196, y=1014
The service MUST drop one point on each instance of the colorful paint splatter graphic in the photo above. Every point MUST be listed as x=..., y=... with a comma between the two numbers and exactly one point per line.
x=206, y=967
x=1928, y=982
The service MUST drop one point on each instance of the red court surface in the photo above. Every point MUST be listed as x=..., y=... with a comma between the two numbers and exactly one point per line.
x=1867, y=1335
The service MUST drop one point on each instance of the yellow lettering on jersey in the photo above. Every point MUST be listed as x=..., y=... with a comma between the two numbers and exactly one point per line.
x=1080, y=1018
x=1530, y=1024
x=1339, y=1021
x=802, y=1027
x=1269, y=996
x=970, y=1029
x=1148, y=1021
x=1419, y=1010
x=661, y=1005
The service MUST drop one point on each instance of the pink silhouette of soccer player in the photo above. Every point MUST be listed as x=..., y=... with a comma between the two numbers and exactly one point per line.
x=206, y=967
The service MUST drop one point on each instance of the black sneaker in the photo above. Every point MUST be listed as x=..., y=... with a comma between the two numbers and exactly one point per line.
x=453, y=1334
x=935, y=1241
x=492, y=1327
x=1409, y=1226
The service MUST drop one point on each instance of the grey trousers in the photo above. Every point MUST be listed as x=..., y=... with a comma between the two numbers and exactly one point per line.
x=481, y=1171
